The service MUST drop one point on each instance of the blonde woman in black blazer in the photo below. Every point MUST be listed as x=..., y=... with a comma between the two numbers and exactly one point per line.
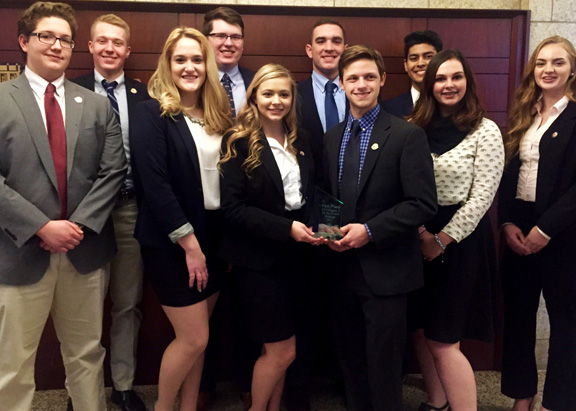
x=266, y=185
x=537, y=213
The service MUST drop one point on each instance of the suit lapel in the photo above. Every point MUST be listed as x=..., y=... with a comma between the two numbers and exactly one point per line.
x=379, y=136
x=269, y=163
x=188, y=140
x=303, y=164
x=74, y=108
x=24, y=98
x=333, y=151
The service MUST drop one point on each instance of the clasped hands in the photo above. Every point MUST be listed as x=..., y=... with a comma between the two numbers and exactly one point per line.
x=355, y=236
x=60, y=236
x=524, y=245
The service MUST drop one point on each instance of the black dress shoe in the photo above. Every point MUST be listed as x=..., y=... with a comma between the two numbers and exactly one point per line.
x=127, y=400
x=296, y=398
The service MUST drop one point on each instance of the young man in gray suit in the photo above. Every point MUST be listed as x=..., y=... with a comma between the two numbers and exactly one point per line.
x=61, y=167
x=110, y=47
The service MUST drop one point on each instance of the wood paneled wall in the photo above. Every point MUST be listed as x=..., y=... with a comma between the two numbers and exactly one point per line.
x=496, y=42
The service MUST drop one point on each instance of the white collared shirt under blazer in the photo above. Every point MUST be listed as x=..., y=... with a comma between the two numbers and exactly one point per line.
x=469, y=175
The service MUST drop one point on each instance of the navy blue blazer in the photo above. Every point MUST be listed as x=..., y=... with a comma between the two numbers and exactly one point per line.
x=166, y=176
x=400, y=106
x=247, y=76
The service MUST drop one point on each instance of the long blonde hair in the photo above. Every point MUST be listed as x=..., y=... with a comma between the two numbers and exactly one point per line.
x=213, y=98
x=248, y=123
x=521, y=116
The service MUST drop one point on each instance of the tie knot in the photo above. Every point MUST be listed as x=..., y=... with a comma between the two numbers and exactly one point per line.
x=50, y=88
x=330, y=87
x=109, y=85
x=355, y=129
x=226, y=79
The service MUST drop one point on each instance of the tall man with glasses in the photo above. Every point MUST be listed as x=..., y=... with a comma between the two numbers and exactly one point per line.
x=110, y=47
x=61, y=166
x=224, y=29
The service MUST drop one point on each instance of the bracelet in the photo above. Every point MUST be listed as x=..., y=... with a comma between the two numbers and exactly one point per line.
x=421, y=229
x=442, y=246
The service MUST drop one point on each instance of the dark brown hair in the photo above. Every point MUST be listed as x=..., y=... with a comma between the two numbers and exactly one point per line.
x=327, y=20
x=29, y=19
x=227, y=14
x=360, y=52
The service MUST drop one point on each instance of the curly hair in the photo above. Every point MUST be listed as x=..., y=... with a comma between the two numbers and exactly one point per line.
x=521, y=116
x=248, y=123
x=213, y=100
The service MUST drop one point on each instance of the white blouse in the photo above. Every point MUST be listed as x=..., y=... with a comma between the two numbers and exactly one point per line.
x=290, y=172
x=469, y=175
x=208, y=147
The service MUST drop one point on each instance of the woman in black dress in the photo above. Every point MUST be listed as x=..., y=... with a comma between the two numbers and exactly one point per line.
x=457, y=245
x=175, y=152
x=266, y=184
x=537, y=214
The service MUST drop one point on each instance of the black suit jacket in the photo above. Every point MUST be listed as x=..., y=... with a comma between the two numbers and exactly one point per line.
x=256, y=228
x=400, y=106
x=397, y=194
x=247, y=75
x=556, y=182
x=166, y=176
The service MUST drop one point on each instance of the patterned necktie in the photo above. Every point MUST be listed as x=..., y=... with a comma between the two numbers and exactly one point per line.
x=330, y=107
x=110, y=87
x=350, y=171
x=227, y=83
x=57, y=139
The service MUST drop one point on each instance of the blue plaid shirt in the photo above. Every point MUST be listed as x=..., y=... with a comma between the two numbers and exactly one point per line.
x=366, y=125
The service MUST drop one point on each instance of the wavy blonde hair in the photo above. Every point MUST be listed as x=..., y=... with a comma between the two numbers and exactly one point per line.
x=213, y=98
x=248, y=123
x=521, y=116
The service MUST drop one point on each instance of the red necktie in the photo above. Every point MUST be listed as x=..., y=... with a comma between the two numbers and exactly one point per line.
x=57, y=139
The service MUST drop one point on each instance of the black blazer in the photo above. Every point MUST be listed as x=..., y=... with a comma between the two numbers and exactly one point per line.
x=256, y=228
x=166, y=176
x=556, y=182
x=397, y=194
x=247, y=75
x=400, y=106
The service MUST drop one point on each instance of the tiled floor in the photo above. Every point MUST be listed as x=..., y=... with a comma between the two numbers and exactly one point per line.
x=324, y=396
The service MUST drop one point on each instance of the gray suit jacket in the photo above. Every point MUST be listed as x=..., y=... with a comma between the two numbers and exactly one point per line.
x=96, y=167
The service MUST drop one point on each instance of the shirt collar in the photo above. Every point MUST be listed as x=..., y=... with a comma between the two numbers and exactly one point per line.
x=39, y=84
x=234, y=74
x=99, y=77
x=367, y=119
x=558, y=107
x=320, y=81
x=415, y=94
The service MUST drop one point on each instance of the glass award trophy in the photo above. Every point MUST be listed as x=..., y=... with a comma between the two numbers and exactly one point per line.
x=326, y=215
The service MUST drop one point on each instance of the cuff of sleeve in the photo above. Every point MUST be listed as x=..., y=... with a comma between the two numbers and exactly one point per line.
x=546, y=236
x=369, y=232
x=183, y=231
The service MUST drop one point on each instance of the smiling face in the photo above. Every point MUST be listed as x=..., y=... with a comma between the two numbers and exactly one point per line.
x=227, y=52
x=274, y=100
x=109, y=48
x=48, y=61
x=361, y=82
x=325, y=50
x=450, y=86
x=416, y=62
x=553, y=69
x=188, y=67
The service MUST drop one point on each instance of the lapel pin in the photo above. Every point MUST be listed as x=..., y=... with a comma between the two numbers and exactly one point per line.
x=375, y=146
x=133, y=90
x=555, y=134
x=78, y=99
x=302, y=153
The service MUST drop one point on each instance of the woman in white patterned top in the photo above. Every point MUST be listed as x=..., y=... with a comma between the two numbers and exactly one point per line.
x=457, y=245
x=537, y=215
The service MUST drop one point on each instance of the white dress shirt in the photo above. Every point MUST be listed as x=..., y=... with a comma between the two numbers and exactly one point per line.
x=38, y=85
x=290, y=172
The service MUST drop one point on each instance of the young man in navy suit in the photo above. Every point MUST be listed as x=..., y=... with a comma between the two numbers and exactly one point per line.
x=380, y=167
x=419, y=48
x=61, y=166
x=110, y=47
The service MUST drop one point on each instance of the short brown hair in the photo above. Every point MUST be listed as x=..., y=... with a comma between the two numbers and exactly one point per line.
x=29, y=19
x=227, y=14
x=113, y=20
x=360, y=52
x=327, y=20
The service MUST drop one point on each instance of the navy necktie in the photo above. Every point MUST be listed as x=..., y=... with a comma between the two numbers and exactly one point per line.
x=330, y=107
x=110, y=87
x=227, y=83
x=350, y=171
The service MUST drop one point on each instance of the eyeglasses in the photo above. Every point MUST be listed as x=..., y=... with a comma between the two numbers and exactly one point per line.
x=48, y=38
x=223, y=37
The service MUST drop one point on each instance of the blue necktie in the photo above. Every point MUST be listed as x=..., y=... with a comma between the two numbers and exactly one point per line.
x=227, y=83
x=110, y=87
x=330, y=105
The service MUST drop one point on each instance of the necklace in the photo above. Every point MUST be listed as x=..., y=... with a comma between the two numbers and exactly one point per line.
x=194, y=120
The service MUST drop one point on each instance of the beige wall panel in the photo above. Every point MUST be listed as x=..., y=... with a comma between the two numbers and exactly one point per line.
x=475, y=4
x=539, y=31
x=564, y=10
x=419, y=4
x=315, y=3
x=541, y=10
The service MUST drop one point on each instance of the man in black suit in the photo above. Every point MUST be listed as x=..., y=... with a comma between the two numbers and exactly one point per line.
x=381, y=169
x=110, y=47
x=419, y=48
x=326, y=45
x=224, y=29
